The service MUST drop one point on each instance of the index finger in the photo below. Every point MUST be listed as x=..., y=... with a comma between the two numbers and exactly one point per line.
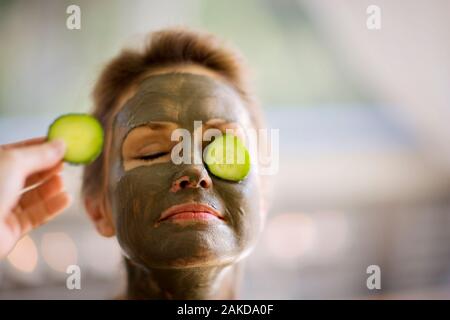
x=35, y=158
x=24, y=143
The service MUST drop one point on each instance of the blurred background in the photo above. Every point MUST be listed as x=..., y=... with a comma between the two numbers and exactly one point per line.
x=363, y=116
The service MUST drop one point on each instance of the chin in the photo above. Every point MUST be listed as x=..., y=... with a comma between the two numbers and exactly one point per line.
x=190, y=248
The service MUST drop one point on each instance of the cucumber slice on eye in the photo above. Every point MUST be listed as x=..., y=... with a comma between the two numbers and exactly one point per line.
x=228, y=158
x=83, y=135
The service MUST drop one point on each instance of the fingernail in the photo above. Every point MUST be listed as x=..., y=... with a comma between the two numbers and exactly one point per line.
x=59, y=146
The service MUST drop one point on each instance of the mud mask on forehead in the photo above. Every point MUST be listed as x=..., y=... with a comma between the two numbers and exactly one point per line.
x=139, y=195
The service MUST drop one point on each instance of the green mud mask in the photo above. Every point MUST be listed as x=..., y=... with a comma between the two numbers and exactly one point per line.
x=141, y=193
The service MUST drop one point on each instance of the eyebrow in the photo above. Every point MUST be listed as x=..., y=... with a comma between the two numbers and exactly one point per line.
x=220, y=123
x=215, y=122
x=153, y=125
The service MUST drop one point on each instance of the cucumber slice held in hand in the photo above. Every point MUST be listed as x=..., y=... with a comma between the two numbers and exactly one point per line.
x=228, y=158
x=82, y=134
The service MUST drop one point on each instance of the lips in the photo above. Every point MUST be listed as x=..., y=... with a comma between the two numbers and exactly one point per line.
x=190, y=211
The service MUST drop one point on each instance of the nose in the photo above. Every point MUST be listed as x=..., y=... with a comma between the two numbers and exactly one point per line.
x=191, y=177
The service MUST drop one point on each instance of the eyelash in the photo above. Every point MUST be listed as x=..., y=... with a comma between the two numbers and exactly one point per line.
x=150, y=157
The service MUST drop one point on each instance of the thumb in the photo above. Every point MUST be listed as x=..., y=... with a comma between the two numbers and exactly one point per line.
x=40, y=157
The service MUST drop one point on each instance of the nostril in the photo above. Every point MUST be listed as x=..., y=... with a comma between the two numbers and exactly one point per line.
x=184, y=184
x=192, y=179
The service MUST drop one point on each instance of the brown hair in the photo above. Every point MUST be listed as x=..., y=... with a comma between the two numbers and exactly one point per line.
x=169, y=47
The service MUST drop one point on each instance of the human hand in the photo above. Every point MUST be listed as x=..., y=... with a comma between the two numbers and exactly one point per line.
x=31, y=189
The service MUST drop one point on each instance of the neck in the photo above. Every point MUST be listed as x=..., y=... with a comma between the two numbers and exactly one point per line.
x=197, y=283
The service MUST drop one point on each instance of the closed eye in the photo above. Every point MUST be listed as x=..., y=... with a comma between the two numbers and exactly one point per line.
x=153, y=156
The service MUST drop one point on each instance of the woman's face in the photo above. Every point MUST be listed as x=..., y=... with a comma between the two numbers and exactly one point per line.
x=144, y=183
